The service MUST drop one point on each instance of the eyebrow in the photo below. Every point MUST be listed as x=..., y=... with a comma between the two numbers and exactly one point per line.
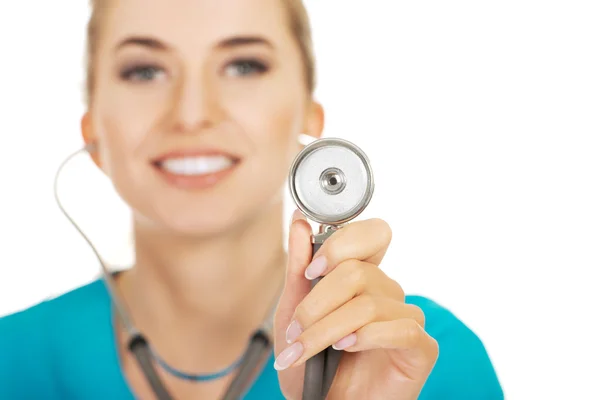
x=236, y=41
x=142, y=41
x=155, y=44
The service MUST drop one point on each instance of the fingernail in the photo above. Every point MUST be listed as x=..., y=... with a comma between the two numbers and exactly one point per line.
x=293, y=331
x=316, y=268
x=296, y=215
x=345, y=342
x=289, y=356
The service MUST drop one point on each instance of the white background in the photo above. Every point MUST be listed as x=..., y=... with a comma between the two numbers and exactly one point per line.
x=492, y=184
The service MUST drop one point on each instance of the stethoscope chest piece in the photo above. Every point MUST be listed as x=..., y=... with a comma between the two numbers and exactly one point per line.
x=331, y=181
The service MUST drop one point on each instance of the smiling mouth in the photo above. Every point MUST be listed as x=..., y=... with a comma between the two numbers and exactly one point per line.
x=196, y=165
x=196, y=172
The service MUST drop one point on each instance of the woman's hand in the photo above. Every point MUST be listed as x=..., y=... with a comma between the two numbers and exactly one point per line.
x=356, y=308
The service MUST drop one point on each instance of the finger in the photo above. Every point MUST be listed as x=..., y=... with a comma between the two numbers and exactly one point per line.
x=353, y=316
x=363, y=240
x=296, y=286
x=399, y=334
x=348, y=280
x=414, y=351
x=344, y=321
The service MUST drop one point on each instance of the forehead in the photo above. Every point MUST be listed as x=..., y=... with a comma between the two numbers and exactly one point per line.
x=196, y=22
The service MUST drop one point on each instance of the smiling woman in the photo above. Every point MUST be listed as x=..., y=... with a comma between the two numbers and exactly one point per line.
x=194, y=112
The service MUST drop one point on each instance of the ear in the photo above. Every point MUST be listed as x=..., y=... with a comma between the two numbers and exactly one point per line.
x=315, y=120
x=88, y=136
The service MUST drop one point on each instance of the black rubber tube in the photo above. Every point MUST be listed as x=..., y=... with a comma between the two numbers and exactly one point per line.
x=139, y=347
x=321, y=368
x=256, y=350
x=319, y=373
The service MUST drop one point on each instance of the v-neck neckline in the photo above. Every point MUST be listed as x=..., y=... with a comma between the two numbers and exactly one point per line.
x=115, y=366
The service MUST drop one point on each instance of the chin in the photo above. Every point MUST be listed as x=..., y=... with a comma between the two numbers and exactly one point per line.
x=200, y=218
x=200, y=221
x=226, y=204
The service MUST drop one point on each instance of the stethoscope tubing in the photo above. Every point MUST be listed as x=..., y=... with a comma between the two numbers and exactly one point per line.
x=319, y=370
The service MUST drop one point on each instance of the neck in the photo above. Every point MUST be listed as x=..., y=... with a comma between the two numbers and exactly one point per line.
x=199, y=300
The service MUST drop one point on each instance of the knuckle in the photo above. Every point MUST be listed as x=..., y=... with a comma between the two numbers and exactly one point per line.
x=331, y=247
x=355, y=273
x=435, y=347
x=418, y=315
x=412, y=333
x=368, y=307
x=398, y=290
x=384, y=229
x=303, y=314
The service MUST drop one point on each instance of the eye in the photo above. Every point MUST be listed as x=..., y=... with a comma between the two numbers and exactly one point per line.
x=246, y=67
x=142, y=73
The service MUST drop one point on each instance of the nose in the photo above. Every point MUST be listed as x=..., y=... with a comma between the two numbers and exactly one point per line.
x=196, y=105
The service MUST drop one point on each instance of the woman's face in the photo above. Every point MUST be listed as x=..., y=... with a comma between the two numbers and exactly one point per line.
x=197, y=109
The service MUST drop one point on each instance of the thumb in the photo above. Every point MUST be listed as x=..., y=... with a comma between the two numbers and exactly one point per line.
x=296, y=284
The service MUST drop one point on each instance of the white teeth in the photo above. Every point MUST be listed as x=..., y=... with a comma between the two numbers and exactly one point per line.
x=196, y=165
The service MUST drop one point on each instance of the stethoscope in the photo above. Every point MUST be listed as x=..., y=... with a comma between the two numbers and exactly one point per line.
x=331, y=182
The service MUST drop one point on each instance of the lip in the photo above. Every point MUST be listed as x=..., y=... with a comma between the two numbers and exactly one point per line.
x=196, y=153
x=195, y=182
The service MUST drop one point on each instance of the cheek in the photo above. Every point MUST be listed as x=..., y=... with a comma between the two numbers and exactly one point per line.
x=123, y=131
x=117, y=142
x=123, y=138
x=125, y=118
x=272, y=124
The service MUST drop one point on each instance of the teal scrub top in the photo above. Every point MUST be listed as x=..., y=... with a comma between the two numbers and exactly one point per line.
x=65, y=348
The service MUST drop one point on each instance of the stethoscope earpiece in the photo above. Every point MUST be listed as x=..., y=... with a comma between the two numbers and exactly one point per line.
x=90, y=147
x=305, y=139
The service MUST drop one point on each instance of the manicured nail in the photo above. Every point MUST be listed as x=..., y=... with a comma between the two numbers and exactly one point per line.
x=293, y=331
x=289, y=356
x=316, y=268
x=345, y=342
x=296, y=215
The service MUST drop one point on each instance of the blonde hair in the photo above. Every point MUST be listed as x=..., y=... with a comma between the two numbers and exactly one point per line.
x=299, y=25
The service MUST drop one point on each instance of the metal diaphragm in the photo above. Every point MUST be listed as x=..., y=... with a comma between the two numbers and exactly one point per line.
x=331, y=181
